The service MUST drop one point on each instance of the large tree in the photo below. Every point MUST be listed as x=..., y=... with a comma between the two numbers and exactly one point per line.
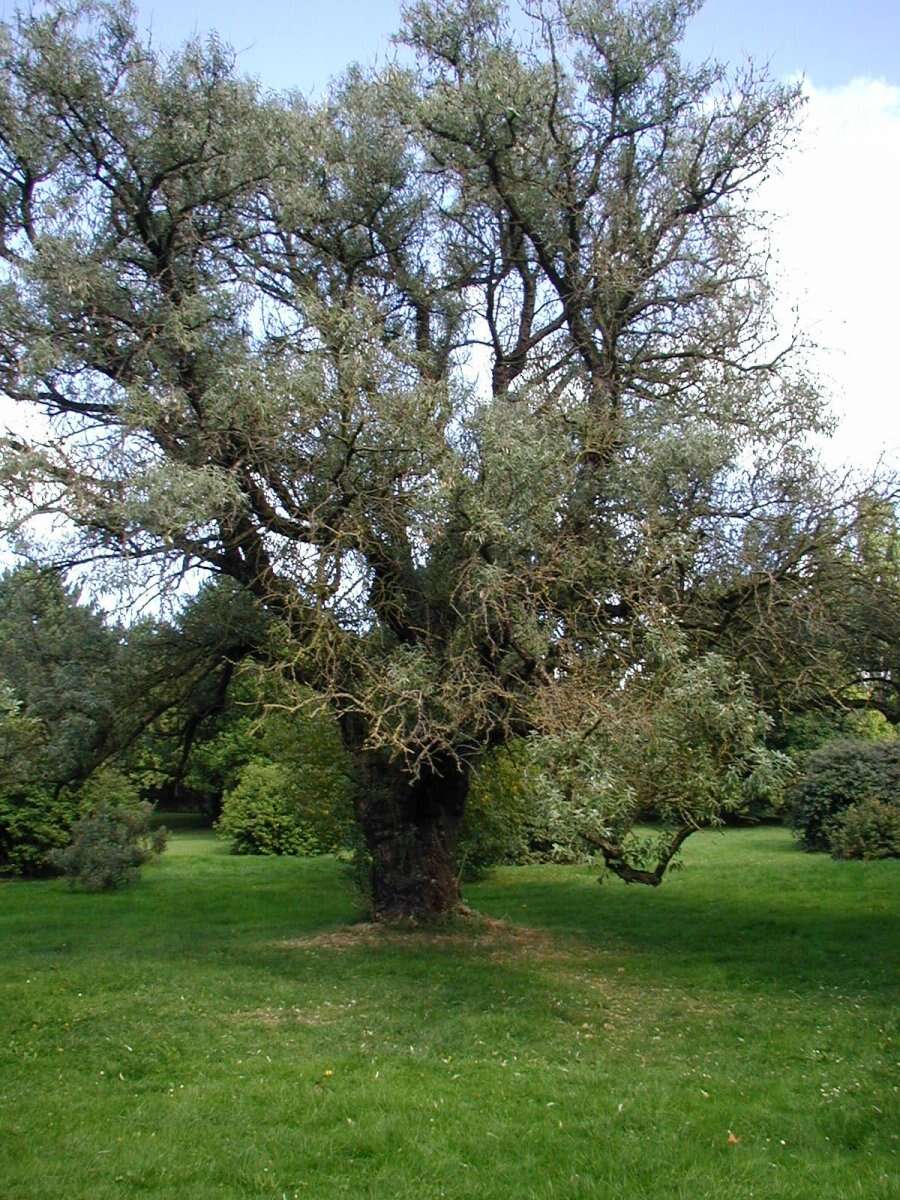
x=467, y=373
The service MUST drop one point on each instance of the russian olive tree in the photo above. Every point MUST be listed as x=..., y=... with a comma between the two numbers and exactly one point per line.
x=467, y=373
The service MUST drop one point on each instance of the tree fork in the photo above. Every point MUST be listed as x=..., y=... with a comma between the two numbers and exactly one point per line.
x=614, y=857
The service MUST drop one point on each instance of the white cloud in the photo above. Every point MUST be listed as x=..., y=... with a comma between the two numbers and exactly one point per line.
x=838, y=248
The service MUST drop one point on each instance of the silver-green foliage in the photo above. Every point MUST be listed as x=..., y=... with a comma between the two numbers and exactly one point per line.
x=681, y=744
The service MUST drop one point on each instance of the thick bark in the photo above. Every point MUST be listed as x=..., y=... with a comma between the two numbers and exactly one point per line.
x=411, y=828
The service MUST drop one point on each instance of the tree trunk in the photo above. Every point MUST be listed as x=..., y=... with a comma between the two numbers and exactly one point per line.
x=411, y=829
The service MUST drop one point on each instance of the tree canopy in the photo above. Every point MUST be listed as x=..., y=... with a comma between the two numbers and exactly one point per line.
x=468, y=374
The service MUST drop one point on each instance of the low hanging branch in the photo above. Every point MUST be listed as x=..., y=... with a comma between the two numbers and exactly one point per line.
x=614, y=857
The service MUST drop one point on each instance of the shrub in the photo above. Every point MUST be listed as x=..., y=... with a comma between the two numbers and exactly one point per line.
x=275, y=810
x=319, y=772
x=33, y=824
x=495, y=827
x=513, y=817
x=108, y=846
x=108, y=788
x=216, y=763
x=803, y=732
x=869, y=829
x=837, y=776
x=35, y=817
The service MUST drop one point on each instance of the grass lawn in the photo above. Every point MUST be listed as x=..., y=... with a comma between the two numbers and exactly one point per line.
x=220, y=1030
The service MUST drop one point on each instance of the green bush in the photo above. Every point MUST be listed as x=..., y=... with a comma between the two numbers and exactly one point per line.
x=108, y=788
x=35, y=817
x=33, y=824
x=803, y=732
x=108, y=846
x=869, y=829
x=495, y=827
x=837, y=776
x=216, y=762
x=513, y=818
x=38, y=816
x=275, y=810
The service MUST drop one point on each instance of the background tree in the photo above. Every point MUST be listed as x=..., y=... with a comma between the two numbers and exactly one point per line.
x=81, y=691
x=59, y=657
x=179, y=689
x=254, y=326
x=95, y=686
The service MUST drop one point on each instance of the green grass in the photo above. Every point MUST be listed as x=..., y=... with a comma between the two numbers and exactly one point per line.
x=220, y=1031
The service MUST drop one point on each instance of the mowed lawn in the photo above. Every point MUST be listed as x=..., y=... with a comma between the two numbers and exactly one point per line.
x=223, y=1029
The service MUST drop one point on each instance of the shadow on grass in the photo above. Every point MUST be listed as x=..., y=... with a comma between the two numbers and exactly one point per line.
x=777, y=940
x=741, y=922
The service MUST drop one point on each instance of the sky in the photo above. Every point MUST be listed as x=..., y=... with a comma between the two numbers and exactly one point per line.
x=836, y=198
x=301, y=44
